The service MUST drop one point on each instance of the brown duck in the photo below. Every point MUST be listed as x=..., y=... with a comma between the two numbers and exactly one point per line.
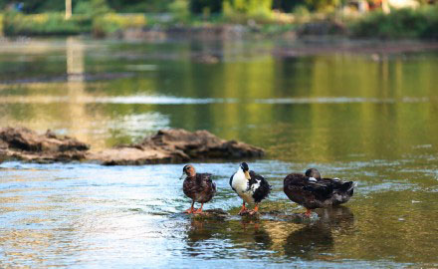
x=199, y=187
x=312, y=191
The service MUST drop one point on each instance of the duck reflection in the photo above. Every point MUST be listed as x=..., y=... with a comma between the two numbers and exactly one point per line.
x=241, y=237
x=251, y=238
x=255, y=235
x=315, y=240
x=198, y=231
x=309, y=241
x=338, y=218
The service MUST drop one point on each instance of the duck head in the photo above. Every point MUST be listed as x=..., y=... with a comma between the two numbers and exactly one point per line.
x=313, y=172
x=245, y=169
x=189, y=171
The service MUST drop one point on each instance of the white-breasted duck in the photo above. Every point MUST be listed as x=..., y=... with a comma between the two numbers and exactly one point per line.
x=199, y=187
x=251, y=187
x=312, y=191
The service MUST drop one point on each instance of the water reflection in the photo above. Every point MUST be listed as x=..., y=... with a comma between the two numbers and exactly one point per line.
x=310, y=242
x=75, y=59
x=373, y=122
x=316, y=240
x=270, y=238
x=380, y=109
x=240, y=238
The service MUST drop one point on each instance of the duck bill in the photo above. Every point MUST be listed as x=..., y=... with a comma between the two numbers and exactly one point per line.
x=182, y=177
x=247, y=175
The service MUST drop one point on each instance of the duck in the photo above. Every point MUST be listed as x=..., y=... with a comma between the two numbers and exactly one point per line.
x=250, y=186
x=197, y=186
x=312, y=191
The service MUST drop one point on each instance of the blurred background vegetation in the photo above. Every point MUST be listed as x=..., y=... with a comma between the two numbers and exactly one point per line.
x=358, y=18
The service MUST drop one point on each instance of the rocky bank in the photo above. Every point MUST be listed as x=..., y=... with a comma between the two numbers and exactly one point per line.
x=166, y=146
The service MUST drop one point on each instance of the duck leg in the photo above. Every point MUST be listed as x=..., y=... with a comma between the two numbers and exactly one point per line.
x=198, y=210
x=255, y=210
x=191, y=209
x=308, y=213
x=243, y=209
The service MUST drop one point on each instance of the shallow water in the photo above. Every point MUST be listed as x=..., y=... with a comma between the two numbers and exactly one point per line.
x=368, y=118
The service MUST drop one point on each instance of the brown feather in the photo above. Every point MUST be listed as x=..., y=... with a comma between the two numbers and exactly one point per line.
x=199, y=188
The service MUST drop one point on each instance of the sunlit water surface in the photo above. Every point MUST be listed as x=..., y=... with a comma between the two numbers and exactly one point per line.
x=368, y=118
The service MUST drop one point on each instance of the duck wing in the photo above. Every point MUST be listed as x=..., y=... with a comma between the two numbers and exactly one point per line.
x=190, y=187
x=295, y=180
x=321, y=190
x=304, y=191
x=205, y=187
x=203, y=181
x=259, y=186
x=231, y=182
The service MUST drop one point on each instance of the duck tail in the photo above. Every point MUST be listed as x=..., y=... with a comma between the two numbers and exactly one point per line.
x=348, y=187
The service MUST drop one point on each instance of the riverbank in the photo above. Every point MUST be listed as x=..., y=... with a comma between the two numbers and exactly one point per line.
x=420, y=23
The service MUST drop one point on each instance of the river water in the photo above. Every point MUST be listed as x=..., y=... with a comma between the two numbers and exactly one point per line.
x=366, y=116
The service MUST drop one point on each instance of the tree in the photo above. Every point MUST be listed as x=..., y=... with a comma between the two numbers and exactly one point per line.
x=67, y=9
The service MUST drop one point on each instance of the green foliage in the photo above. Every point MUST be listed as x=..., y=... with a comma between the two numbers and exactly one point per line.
x=206, y=6
x=241, y=11
x=109, y=23
x=301, y=10
x=99, y=8
x=287, y=5
x=140, y=6
x=180, y=10
x=248, y=7
x=44, y=24
x=92, y=8
x=323, y=5
x=402, y=23
x=82, y=7
x=123, y=6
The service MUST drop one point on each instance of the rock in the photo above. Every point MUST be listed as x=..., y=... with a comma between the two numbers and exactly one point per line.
x=136, y=155
x=167, y=146
x=26, y=145
x=201, y=145
x=215, y=214
x=176, y=146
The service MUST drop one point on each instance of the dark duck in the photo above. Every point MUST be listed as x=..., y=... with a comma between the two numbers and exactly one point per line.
x=199, y=187
x=312, y=191
x=251, y=187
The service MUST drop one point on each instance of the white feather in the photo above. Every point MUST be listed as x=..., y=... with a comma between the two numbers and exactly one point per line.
x=255, y=186
x=312, y=179
x=240, y=184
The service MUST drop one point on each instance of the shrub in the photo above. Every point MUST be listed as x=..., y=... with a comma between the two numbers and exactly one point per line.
x=110, y=23
x=248, y=7
x=200, y=6
x=180, y=10
x=402, y=23
x=323, y=5
x=242, y=11
x=45, y=24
